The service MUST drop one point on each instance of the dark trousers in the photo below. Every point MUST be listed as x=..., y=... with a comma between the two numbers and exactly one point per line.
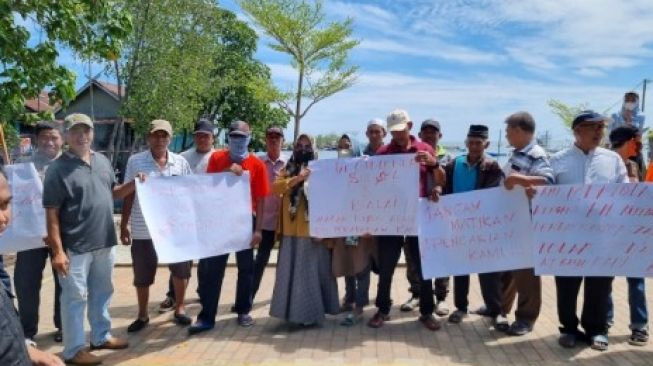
x=357, y=288
x=524, y=285
x=262, y=258
x=490, y=291
x=414, y=278
x=389, y=250
x=594, y=318
x=28, y=275
x=210, y=273
x=4, y=278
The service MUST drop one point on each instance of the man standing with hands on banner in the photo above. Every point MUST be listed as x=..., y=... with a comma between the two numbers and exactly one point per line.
x=586, y=163
x=466, y=173
x=528, y=167
x=198, y=159
x=389, y=247
x=156, y=161
x=78, y=184
x=210, y=272
x=28, y=272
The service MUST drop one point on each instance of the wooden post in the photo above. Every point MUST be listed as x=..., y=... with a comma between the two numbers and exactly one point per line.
x=5, y=152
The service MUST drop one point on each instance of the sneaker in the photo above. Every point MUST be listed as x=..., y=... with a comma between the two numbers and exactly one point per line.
x=377, y=320
x=112, y=343
x=410, y=305
x=638, y=337
x=58, y=336
x=430, y=322
x=245, y=320
x=137, y=325
x=84, y=358
x=520, y=328
x=457, y=316
x=167, y=305
x=501, y=323
x=346, y=307
x=182, y=319
x=482, y=311
x=199, y=327
x=441, y=308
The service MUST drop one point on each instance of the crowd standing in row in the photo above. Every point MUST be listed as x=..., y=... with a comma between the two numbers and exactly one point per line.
x=80, y=186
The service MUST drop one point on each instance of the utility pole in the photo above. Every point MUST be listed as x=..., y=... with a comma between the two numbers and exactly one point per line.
x=644, y=93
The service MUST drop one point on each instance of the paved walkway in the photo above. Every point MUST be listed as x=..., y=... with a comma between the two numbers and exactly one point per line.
x=403, y=341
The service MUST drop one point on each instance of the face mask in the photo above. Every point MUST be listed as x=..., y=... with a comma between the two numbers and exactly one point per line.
x=238, y=148
x=304, y=156
x=630, y=106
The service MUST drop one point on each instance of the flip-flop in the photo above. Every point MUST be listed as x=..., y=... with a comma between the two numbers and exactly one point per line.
x=599, y=342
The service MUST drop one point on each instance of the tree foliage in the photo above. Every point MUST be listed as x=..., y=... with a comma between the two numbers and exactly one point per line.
x=28, y=64
x=318, y=50
x=566, y=112
x=191, y=58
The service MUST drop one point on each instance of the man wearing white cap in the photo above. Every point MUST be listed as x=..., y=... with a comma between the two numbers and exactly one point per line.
x=375, y=134
x=389, y=247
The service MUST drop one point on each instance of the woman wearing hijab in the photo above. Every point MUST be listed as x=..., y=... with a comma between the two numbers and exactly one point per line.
x=304, y=289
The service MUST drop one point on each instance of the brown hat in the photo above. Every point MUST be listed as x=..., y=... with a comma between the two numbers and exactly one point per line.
x=75, y=119
x=160, y=125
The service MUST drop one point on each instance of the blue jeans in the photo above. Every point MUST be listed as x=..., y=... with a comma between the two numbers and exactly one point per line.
x=636, y=303
x=210, y=273
x=88, y=282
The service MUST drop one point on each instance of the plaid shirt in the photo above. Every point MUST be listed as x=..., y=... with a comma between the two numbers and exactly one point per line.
x=532, y=161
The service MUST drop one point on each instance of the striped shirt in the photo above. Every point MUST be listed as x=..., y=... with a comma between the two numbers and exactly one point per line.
x=532, y=161
x=144, y=162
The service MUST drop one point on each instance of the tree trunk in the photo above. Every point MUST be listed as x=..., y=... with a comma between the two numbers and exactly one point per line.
x=298, y=111
x=117, y=125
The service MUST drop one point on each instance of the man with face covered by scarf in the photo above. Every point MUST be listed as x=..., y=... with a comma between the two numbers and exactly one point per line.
x=210, y=272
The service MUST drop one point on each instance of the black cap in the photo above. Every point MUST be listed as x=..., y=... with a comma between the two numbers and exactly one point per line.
x=430, y=123
x=234, y=129
x=587, y=116
x=204, y=126
x=273, y=130
x=478, y=131
x=623, y=134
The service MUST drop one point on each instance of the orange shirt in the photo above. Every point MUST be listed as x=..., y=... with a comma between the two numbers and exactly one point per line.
x=258, y=174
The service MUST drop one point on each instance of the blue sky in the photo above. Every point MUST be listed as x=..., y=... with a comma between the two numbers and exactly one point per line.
x=477, y=61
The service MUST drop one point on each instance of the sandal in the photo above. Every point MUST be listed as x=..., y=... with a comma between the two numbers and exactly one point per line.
x=350, y=320
x=599, y=342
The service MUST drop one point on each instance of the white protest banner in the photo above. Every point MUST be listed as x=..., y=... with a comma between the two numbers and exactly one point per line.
x=369, y=195
x=197, y=216
x=480, y=231
x=594, y=230
x=27, y=226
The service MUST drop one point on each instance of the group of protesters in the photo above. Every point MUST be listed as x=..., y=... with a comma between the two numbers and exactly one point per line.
x=80, y=187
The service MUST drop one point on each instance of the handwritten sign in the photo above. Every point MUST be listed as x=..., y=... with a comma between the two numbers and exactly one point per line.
x=594, y=230
x=27, y=226
x=369, y=195
x=475, y=232
x=197, y=216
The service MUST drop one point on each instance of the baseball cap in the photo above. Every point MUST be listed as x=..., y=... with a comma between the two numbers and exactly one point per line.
x=398, y=120
x=75, y=119
x=273, y=130
x=161, y=125
x=587, y=116
x=376, y=122
x=204, y=126
x=430, y=123
x=234, y=129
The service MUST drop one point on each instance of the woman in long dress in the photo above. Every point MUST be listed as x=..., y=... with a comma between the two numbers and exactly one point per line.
x=305, y=289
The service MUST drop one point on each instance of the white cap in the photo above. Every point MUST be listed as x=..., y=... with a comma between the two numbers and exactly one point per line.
x=398, y=120
x=376, y=122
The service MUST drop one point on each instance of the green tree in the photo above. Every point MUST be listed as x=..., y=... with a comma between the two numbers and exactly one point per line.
x=318, y=50
x=191, y=58
x=566, y=112
x=29, y=65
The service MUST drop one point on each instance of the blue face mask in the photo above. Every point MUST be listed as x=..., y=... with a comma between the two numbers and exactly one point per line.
x=238, y=148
